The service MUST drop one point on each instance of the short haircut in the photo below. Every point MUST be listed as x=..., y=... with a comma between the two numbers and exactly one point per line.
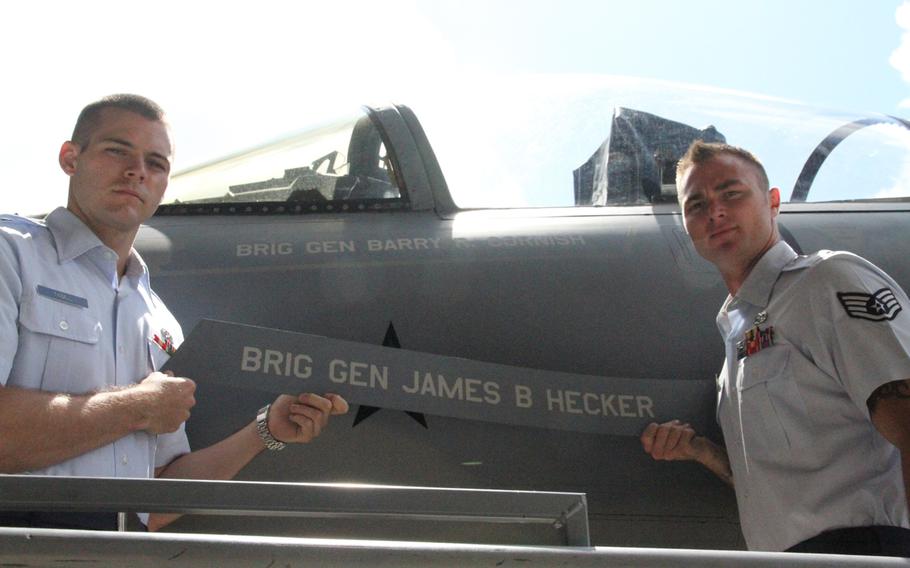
x=90, y=116
x=700, y=152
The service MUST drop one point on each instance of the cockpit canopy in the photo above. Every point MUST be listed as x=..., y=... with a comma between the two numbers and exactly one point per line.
x=572, y=141
x=343, y=161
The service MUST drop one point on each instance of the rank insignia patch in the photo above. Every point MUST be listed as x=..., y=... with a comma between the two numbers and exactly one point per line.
x=880, y=306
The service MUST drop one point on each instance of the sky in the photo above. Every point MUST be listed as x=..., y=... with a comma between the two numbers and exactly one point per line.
x=234, y=74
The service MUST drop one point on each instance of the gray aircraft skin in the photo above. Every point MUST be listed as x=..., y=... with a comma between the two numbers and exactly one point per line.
x=379, y=253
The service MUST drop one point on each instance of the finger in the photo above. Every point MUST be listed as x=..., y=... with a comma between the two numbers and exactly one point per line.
x=647, y=437
x=660, y=442
x=315, y=401
x=685, y=440
x=314, y=414
x=687, y=429
x=309, y=428
x=339, y=404
x=673, y=437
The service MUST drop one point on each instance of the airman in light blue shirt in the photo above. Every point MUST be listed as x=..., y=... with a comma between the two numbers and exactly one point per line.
x=82, y=329
x=82, y=334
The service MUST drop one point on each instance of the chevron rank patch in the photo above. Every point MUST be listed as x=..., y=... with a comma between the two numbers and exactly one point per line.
x=880, y=306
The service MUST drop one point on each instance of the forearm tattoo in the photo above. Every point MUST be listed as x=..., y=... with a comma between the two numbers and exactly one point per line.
x=894, y=389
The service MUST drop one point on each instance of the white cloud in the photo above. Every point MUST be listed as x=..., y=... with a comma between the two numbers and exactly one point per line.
x=900, y=57
x=900, y=183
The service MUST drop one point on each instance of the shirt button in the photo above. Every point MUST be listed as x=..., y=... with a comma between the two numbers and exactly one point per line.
x=64, y=326
x=125, y=460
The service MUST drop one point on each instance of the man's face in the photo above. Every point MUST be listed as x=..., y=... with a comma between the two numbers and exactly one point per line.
x=117, y=179
x=727, y=213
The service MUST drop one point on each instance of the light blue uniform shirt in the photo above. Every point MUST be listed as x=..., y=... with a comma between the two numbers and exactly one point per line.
x=68, y=324
x=804, y=454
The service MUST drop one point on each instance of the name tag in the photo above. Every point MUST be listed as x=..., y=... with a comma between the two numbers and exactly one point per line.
x=59, y=296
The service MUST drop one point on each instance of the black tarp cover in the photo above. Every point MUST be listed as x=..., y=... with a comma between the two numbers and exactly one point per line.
x=626, y=169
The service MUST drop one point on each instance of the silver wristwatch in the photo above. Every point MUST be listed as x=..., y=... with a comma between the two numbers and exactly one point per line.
x=262, y=426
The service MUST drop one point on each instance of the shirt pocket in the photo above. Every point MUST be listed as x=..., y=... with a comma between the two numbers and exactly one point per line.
x=74, y=362
x=157, y=356
x=775, y=421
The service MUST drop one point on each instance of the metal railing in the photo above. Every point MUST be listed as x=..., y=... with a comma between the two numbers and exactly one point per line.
x=565, y=512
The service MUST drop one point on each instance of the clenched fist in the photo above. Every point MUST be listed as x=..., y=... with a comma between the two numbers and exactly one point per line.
x=671, y=440
x=300, y=419
x=164, y=402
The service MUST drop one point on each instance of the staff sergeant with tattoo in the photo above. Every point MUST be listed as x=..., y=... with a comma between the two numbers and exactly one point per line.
x=814, y=397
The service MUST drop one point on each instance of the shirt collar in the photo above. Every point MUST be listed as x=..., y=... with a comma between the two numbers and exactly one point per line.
x=73, y=238
x=757, y=287
x=137, y=270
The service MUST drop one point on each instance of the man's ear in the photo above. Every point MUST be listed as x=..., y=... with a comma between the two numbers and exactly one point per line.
x=69, y=151
x=774, y=196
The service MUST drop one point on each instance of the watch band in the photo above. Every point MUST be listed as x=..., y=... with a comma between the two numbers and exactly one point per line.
x=262, y=426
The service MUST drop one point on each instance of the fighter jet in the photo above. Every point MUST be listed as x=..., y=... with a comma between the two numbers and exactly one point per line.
x=533, y=227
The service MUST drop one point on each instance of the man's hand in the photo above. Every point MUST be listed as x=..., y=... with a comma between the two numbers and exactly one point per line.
x=300, y=419
x=671, y=440
x=675, y=440
x=165, y=402
x=291, y=419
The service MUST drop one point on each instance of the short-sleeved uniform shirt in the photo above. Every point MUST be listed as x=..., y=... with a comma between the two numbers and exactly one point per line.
x=69, y=324
x=808, y=339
